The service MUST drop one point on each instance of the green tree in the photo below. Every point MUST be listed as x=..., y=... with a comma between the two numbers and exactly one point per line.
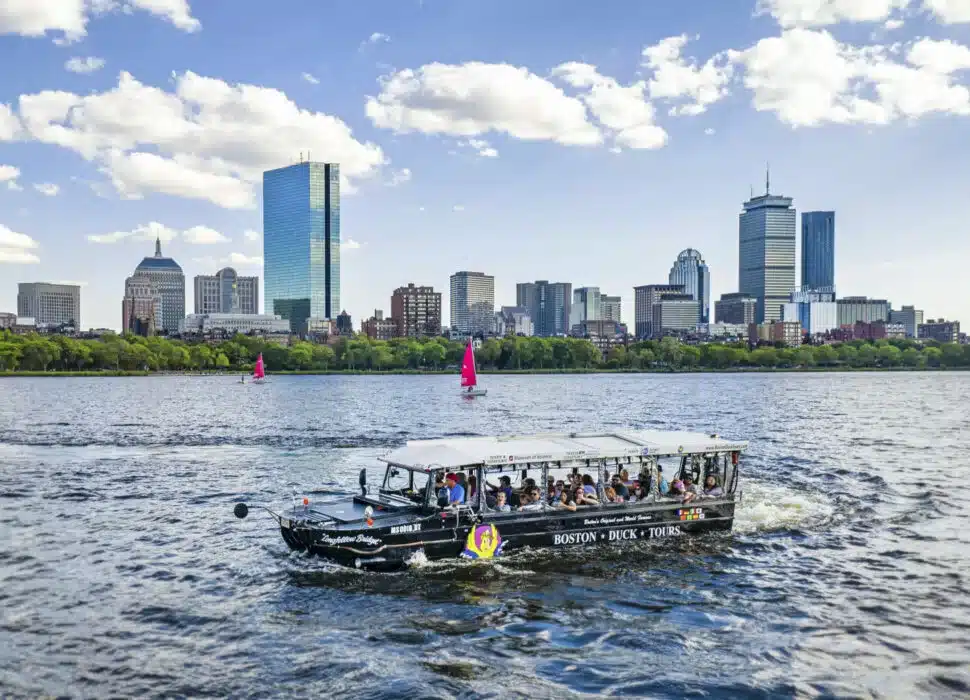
x=933, y=356
x=9, y=356
x=690, y=356
x=890, y=356
x=913, y=358
x=804, y=356
x=433, y=355
x=38, y=353
x=670, y=352
x=323, y=357
x=222, y=362
x=766, y=356
x=826, y=356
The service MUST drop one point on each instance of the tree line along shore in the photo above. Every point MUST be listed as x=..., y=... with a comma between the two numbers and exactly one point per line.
x=129, y=354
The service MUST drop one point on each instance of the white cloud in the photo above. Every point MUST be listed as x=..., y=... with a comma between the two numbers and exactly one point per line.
x=14, y=256
x=12, y=239
x=244, y=260
x=350, y=244
x=709, y=131
x=458, y=207
x=148, y=232
x=88, y=65
x=9, y=175
x=34, y=18
x=817, y=13
x=312, y=79
x=71, y=282
x=399, y=177
x=949, y=11
x=483, y=147
x=9, y=123
x=809, y=78
x=375, y=38
x=892, y=25
x=472, y=99
x=625, y=111
x=678, y=80
x=253, y=236
x=48, y=189
x=203, y=235
x=207, y=139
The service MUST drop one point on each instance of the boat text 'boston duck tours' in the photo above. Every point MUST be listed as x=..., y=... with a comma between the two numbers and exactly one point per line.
x=479, y=497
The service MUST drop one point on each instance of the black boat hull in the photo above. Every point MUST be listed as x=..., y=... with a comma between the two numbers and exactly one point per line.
x=446, y=535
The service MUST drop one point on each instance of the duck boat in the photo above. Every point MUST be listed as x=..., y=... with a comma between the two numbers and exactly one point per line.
x=406, y=513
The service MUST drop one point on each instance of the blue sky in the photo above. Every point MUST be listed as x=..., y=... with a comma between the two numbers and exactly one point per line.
x=562, y=140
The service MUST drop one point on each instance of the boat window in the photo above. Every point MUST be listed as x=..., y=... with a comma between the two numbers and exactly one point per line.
x=404, y=482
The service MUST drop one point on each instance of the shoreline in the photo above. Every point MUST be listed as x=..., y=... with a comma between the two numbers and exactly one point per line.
x=513, y=372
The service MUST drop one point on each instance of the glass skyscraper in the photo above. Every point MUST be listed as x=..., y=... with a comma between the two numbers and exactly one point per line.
x=691, y=271
x=818, y=249
x=766, y=254
x=301, y=242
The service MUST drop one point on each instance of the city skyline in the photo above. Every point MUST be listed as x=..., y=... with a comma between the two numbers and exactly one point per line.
x=437, y=181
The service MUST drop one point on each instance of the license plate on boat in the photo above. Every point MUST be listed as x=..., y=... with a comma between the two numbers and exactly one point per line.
x=285, y=523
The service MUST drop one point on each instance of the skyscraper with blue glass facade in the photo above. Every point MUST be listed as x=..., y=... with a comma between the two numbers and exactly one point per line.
x=766, y=255
x=301, y=242
x=818, y=249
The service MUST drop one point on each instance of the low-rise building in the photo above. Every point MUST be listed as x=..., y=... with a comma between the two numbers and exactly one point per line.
x=815, y=309
x=417, y=311
x=50, y=305
x=7, y=320
x=344, y=324
x=940, y=330
x=786, y=332
x=230, y=324
x=379, y=328
x=513, y=320
x=910, y=317
x=674, y=313
x=602, y=333
x=721, y=330
x=854, y=309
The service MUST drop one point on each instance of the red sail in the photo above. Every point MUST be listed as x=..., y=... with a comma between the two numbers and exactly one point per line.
x=258, y=371
x=468, y=377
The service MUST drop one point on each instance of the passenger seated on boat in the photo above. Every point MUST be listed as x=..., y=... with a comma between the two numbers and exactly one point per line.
x=500, y=505
x=712, y=487
x=690, y=489
x=619, y=487
x=611, y=496
x=641, y=492
x=472, y=487
x=530, y=500
x=588, y=486
x=585, y=499
x=676, y=489
x=566, y=501
x=664, y=486
x=625, y=477
x=460, y=479
x=505, y=486
x=456, y=494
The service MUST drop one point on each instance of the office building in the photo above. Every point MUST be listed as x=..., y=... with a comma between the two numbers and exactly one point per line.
x=736, y=308
x=472, y=303
x=674, y=313
x=549, y=305
x=814, y=309
x=141, y=307
x=818, y=250
x=416, y=311
x=911, y=319
x=301, y=242
x=644, y=298
x=611, y=309
x=7, y=320
x=785, y=332
x=50, y=305
x=169, y=282
x=379, y=328
x=587, y=306
x=226, y=293
x=513, y=320
x=940, y=331
x=690, y=271
x=766, y=253
x=853, y=309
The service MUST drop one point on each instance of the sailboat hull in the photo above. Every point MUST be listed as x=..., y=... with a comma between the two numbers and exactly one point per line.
x=474, y=392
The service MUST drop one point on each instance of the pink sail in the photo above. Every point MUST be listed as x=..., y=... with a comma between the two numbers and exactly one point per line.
x=468, y=376
x=258, y=371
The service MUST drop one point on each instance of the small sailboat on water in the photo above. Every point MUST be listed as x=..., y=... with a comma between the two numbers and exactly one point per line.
x=259, y=372
x=469, y=377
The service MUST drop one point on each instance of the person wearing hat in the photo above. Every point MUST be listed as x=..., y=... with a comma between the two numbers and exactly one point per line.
x=456, y=492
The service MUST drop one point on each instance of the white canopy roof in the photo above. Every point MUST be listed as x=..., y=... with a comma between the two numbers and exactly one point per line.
x=453, y=453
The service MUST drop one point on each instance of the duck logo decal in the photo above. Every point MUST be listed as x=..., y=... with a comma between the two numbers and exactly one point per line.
x=484, y=542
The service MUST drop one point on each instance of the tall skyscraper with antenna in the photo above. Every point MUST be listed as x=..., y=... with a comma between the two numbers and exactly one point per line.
x=766, y=252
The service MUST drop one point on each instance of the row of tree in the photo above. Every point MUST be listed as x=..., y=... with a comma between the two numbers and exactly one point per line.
x=133, y=353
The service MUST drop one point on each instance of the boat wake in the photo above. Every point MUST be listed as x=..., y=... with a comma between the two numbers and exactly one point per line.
x=767, y=508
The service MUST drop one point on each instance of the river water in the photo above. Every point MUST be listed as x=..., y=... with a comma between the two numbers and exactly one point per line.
x=123, y=571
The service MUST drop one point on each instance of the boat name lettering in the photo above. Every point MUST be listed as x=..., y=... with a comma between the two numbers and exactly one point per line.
x=350, y=539
x=398, y=529
x=664, y=531
x=574, y=538
x=616, y=535
x=618, y=520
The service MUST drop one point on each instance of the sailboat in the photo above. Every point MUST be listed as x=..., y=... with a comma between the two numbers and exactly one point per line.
x=469, y=377
x=259, y=372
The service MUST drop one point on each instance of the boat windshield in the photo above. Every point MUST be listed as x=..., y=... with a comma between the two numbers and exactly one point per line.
x=404, y=482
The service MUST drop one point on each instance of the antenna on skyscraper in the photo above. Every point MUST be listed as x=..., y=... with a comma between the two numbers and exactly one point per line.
x=767, y=178
x=752, y=191
x=301, y=156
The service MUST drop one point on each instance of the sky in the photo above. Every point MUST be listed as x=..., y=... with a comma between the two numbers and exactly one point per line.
x=548, y=139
